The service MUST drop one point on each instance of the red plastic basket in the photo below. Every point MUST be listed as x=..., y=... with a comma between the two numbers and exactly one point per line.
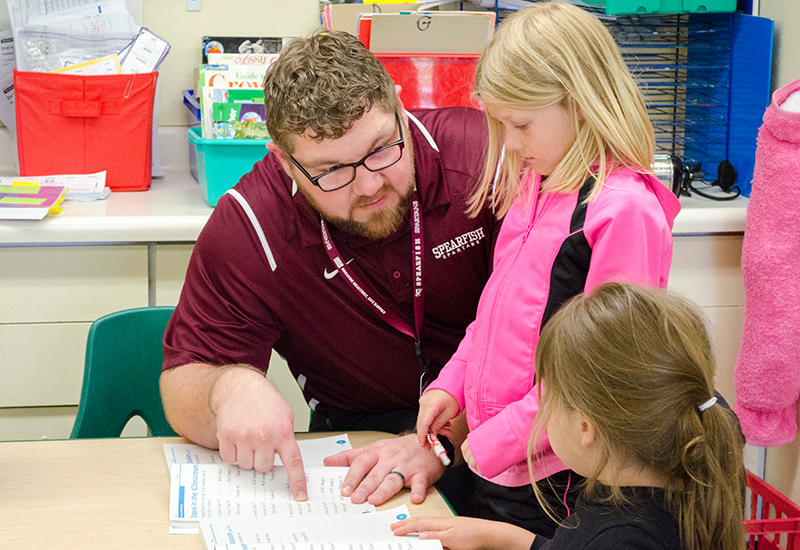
x=774, y=519
x=433, y=80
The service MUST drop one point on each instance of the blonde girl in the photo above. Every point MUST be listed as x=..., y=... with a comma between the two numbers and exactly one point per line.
x=569, y=170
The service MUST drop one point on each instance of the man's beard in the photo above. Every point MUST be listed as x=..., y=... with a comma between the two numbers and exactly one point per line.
x=379, y=224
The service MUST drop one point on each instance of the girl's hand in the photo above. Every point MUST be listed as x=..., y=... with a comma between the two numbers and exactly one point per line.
x=436, y=409
x=462, y=533
x=467, y=453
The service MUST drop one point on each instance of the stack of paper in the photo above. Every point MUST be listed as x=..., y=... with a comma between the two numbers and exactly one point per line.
x=366, y=531
x=80, y=187
x=21, y=200
x=204, y=487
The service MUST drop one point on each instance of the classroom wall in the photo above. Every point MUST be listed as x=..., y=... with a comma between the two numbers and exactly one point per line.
x=786, y=62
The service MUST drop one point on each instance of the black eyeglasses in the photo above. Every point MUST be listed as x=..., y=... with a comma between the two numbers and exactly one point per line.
x=344, y=174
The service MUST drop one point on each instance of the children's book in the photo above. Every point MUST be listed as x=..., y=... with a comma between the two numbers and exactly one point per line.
x=240, y=120
x=242, y=58
x=30, y=201
x=219, y=99
x=237, y=119
x=242, y=44
x=231, y=76
x=240, y=129
x=249, y=111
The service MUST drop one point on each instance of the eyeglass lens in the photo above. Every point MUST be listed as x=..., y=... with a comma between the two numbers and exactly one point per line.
x=376, y=161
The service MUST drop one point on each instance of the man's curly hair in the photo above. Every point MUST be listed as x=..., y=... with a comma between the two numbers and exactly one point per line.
x=319, y=86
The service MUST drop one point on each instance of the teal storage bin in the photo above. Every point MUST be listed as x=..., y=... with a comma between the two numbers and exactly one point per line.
x=619, y=7
x=220, y=163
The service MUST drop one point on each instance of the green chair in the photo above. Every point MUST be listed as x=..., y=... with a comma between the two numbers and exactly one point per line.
x=123, y=363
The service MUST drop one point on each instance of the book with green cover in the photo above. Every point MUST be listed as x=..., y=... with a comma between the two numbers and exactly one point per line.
x=240, y=129
x=211, y=98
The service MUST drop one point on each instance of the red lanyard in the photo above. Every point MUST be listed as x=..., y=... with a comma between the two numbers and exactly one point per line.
x=374, y=301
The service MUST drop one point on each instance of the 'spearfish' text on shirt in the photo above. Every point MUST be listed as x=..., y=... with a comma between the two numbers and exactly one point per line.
x=459, y=244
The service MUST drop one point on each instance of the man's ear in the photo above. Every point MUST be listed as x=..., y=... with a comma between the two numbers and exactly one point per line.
x=398, y=89
x=588, y=430
x=278, y=152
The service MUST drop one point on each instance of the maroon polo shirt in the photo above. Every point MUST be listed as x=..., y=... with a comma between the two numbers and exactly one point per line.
x=236, y=306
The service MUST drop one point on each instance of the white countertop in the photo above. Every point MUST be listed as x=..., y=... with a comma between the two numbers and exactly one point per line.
x=174, y=211
x=699, y=216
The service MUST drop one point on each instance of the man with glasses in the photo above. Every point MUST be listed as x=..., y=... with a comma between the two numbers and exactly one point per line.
x=346, y=250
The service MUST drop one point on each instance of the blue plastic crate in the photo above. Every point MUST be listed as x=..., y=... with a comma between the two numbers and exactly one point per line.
x=220, y=163
x=191, y=103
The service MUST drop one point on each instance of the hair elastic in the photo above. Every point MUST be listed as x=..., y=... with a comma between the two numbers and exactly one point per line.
x=707, y=404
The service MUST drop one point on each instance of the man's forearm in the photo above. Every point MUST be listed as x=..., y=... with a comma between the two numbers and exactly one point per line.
x=189, y=396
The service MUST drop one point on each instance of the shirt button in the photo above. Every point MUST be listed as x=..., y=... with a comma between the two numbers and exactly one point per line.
x=397, y=274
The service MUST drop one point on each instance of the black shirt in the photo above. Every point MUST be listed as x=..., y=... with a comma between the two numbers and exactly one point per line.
x=645, y=524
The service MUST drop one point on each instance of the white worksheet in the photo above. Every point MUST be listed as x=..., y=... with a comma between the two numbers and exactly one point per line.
x=369, y=527
x=313, y=451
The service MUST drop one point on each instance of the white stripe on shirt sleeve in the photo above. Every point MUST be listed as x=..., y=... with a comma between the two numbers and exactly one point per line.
x=259, y=231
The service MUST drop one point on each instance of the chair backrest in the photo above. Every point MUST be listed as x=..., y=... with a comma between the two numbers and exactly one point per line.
x=123, y=363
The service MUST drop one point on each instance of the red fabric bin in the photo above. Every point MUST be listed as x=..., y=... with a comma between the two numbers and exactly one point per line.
x=81, y=124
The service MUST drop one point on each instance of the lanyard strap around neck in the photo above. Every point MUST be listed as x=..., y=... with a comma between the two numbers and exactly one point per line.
x=374, y=300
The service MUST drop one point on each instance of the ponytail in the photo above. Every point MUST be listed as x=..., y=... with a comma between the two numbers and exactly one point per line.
x=639, y=363
x=706, y=489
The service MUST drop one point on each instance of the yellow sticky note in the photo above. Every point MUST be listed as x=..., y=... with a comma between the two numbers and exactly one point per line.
x=22, y=200
x=19, y=189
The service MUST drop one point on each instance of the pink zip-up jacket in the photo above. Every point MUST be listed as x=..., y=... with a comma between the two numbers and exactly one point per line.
x=548, y=251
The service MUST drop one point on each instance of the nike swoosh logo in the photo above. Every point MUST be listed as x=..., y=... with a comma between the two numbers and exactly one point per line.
x=331, y=274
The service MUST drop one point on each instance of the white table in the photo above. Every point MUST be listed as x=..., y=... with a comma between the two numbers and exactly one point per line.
x=104, y=494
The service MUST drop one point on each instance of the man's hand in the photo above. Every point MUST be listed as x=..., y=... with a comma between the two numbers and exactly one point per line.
x=462, y=533
x=436, y=409
x=236, y=410
x=371, y=476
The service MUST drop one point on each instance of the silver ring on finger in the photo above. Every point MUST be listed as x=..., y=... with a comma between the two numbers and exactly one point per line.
x=401, y=476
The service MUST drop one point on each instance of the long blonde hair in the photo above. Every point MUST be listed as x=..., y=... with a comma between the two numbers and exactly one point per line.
x=554, y=53
x=638, y=362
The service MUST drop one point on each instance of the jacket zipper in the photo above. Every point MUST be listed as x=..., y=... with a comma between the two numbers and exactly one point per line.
x=482, y=376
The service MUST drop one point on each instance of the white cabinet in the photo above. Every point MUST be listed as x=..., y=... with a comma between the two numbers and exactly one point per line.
x=170, y=270
x=707, y=270
x=51, y=295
